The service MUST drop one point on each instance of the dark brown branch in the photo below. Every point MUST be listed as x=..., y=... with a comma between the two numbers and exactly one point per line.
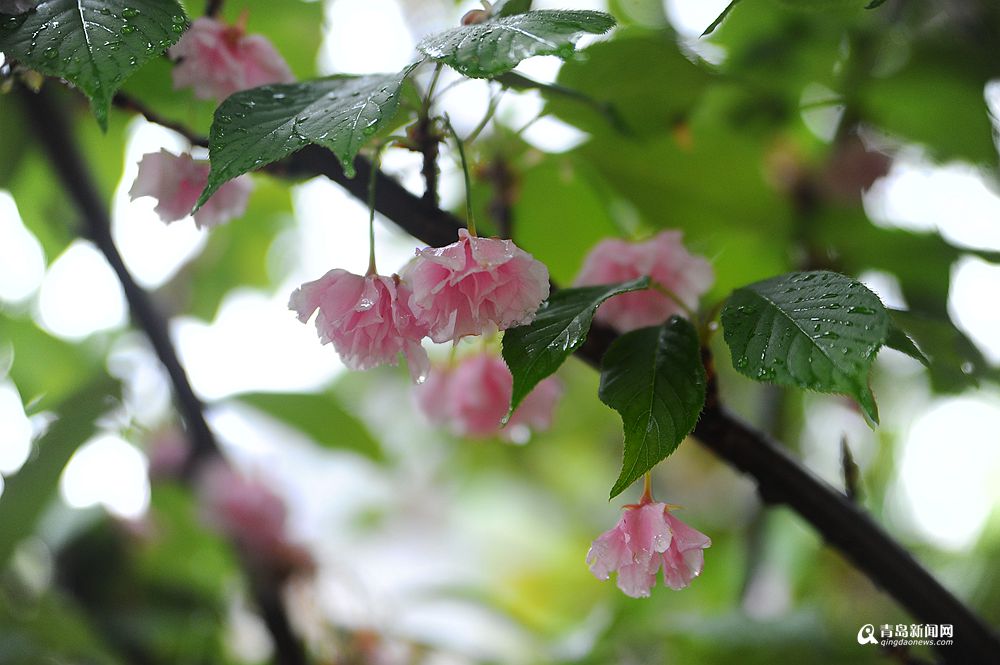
x=213, y=7
x=129, y=103
x=50, y=125
x=780, y=479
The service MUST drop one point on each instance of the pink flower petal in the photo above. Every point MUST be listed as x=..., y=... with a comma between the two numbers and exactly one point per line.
x=475, y=286
x=665, y=260
x=217, y=60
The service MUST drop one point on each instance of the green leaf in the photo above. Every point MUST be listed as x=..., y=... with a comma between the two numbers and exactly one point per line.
x=535, y=351
x=655, y=379
x=818, y=330
x=956, y=363
x=899, y=340
x=322, y=418
x=510, y=7
x=28, y=492
x=256, y=127
x=488, y=49
x=94, y=44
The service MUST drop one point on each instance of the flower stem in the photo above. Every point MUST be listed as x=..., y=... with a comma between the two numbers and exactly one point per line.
x=376, y=159
x=470, y=220
x=647, y=489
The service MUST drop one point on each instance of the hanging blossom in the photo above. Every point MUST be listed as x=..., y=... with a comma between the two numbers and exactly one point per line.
x=249, y=513
x=176, y=182
x=472, y=398
x=217, y=60
x=366, y=318
x=475, y=286
x=648, y=538
x=665, y=260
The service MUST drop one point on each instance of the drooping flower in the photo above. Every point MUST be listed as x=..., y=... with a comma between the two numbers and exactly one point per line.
x=176, y=182
x=472, y=398
x=647, y=538
x=665, y=260
x=368, y=319
x=475, y=286
x=217, y=60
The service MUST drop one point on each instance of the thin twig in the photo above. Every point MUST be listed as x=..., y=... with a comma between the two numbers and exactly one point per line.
x=129, y=103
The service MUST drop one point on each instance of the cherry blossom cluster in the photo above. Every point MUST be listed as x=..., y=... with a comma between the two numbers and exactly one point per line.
x=215, y=60
x=474, y=286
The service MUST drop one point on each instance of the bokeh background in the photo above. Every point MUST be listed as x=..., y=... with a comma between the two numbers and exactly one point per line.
x=431, y=549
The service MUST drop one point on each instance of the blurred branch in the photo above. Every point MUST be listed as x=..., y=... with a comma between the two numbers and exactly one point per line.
x=213, y=7
x=51, y=127
x=129, y=103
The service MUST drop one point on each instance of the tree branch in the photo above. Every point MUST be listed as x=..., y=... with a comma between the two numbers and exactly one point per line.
x=49, y=123
x=780, y=478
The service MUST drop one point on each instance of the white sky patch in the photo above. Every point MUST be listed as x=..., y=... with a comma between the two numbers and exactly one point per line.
x=15, y=430
x=147, y=389
x=255, y=343
x=953, y=199
x=365, y=37
x=22, y=262
x=971, y=303
x=152, y=250
x=110, y=472
x=949, y=474
x=553, y=135
x=691, y=17
x=80, y=294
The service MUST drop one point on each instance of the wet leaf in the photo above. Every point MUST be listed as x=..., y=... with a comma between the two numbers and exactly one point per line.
x=487, y=49
x=817, y=330
x=655, y=379
x=535, y=351
x=94, y=44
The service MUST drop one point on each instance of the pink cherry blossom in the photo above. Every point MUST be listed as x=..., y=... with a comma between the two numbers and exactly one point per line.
x=665, y=260
x=367, y=319
x=176, y=182
x=647, y=538
x=217, y=60
x=475, y=286
x=473, y=397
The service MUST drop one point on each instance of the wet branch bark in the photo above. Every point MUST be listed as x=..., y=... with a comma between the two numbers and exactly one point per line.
x=781, y=480
x=51, y=128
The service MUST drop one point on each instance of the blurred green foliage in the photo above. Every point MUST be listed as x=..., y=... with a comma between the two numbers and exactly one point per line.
x=716, y=146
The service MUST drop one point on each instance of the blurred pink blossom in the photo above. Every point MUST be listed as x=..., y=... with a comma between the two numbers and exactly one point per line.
x=475, y=286
x=217, y=60
x=176, y=182
x=665, y=260
x=254, y=517
x=647, y=538
x=367, y=319
x=472, y=398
